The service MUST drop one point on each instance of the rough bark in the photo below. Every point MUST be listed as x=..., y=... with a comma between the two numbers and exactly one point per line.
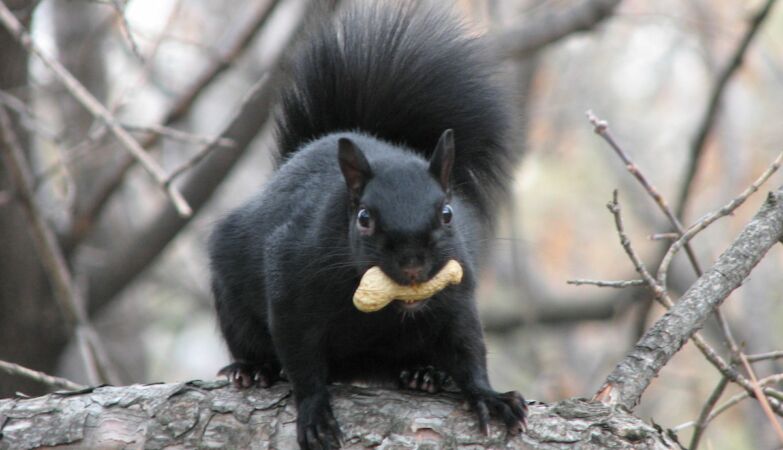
x=213, y=415
x=625, y=385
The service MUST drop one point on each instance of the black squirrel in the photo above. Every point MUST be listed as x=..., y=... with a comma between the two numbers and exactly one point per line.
x=393, y=146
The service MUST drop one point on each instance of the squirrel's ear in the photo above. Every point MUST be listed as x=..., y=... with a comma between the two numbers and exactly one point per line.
x=442, y=159
x=354, y=165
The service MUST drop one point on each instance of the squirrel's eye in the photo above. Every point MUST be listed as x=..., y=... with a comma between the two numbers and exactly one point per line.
x=364, y=221
x=446, y=214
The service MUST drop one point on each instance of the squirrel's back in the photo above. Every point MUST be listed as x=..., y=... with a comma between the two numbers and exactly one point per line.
x=403, y=72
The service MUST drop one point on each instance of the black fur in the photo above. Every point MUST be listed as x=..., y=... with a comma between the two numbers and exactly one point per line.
x=370, y=176
x=403, y=74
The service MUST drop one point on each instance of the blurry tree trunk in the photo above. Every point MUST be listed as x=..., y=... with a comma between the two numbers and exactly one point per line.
x=31, y=327
x=210, y=415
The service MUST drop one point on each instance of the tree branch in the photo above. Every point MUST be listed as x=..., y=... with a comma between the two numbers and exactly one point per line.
x=209, y=414
x=127, y=262
x=701, y=422
x=85, y=220
x=48, y=380
x=627, y=382
x=538, y=32
x=761, y=398
x=68, y=297
x=708, y=120
x=81, y=94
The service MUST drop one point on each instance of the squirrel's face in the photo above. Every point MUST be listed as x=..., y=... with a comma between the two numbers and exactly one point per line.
x=401, y=217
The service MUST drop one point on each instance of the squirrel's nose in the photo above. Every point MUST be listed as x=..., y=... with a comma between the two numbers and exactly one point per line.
x=413, y=273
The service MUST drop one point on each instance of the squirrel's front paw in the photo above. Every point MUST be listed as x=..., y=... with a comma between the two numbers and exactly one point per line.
x=316, y=427
x=244, y=375
x=509, y=407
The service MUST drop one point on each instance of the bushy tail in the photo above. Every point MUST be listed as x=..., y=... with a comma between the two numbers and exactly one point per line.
x=404, y=73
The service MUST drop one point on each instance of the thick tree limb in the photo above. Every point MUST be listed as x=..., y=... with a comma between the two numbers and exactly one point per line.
x=625, y=385
x=535, y=34
x=211, y=415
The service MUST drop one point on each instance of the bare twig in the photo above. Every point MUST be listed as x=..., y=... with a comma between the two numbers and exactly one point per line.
x=83, y=96
x=736, y=399
x=49, y=380
x=708, y=120
x=707, y=220
x=198, y=157
x=86, y=219
x=664, y=236
x=662, y=296
x=765, y=356
x=68, y=297
x=762, y=399
x=614, y=208
x=119, y=8
x=179, y=135
x=601, y=128
x=612, y=284
x=127, y=261
x=709, y=405
x=26, y=116
x=633, y=374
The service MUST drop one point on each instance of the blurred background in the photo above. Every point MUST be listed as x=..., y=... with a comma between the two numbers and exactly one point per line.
x=648, y=68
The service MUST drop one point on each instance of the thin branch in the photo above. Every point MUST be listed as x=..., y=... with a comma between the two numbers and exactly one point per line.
x=606, y=393
x=633, y=374
x=540, y=31
x=614, y=208
x=86, y=219
x=601, y=128
x=762, y=399
x=119, y=9
x=83, y=96
x=68, y=297
x=48, y=380
x=198, y=157
x=179, y=135
x=612, y=284
x=128, y=260
x=736, y=399
x=708, y=120
x=261, y=14
x=709, y=405
x=708, y=219
x=765, y=356
x=664, y=237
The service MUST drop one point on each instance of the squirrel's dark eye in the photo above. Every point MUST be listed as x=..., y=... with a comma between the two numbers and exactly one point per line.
x=364, y=221
x=446, y=214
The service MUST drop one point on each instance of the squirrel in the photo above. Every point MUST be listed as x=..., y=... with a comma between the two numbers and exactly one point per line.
x=393, y=153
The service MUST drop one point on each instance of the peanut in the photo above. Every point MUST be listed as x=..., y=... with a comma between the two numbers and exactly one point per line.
x=376, y=289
